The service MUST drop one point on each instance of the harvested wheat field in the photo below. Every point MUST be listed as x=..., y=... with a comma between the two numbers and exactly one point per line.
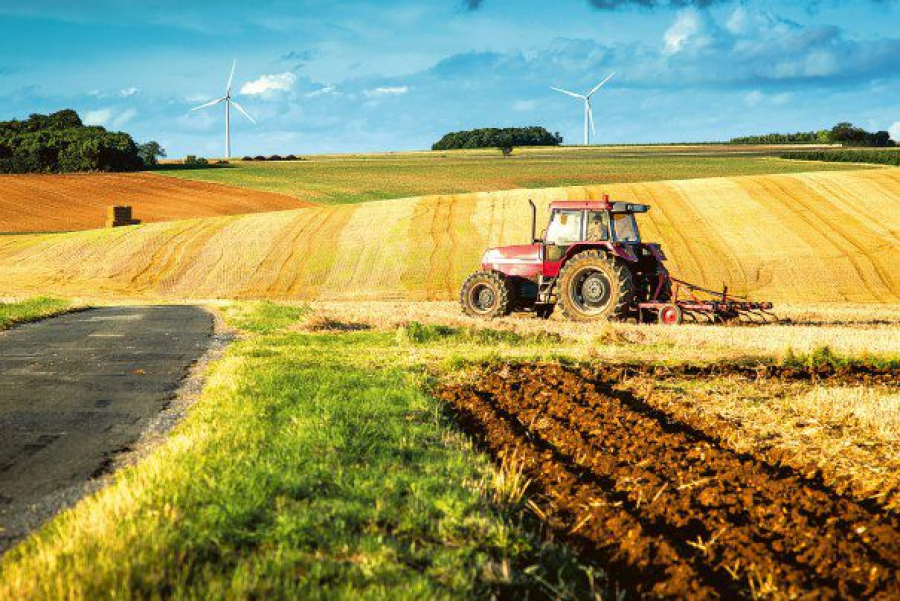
x=48, y=203
x=824, y=237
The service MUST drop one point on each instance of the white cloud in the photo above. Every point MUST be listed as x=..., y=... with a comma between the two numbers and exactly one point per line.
x=753, y=98
x=894, y=130
x=387, y=91
x=269, y=85
x=321, y=92
x=525, y=106
x=124, y=117
x=108, y=118
x=98, y=117
x=128, y=92
x=687, y=25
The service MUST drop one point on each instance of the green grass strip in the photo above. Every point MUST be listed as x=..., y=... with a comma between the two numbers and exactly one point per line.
x=301, y=472
x=30, y=310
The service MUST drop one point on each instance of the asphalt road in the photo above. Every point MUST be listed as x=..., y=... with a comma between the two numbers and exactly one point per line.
x=75, y=390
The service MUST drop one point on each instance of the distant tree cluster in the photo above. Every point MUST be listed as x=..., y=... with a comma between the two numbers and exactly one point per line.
x=843, y=133
x=880, y=157
x=273, y=157
x=506, y=138
x=61, y=143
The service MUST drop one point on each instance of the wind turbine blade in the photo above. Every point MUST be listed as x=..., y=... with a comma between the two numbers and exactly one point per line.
x=572, y=94
x=210, y=103
x=246, y=114
x=230, y=78
x=600, y=85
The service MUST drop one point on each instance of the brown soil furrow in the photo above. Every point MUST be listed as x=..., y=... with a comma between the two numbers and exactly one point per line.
x=574, y=507
x=745, y=519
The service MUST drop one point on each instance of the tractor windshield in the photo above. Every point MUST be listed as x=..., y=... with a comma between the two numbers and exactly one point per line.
x=565, y=227
x=625, y=227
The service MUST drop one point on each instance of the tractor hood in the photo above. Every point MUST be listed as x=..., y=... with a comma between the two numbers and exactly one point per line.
x=523, y=260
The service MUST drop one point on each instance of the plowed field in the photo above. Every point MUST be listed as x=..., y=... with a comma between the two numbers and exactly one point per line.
x=46, y=203
x=667, y=509
x=805, y=237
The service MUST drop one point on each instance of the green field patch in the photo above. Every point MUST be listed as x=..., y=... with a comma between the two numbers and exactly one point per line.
x=362, y=178
x=17, y=312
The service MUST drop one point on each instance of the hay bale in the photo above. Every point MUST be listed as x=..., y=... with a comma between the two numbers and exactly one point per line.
x=120, y=215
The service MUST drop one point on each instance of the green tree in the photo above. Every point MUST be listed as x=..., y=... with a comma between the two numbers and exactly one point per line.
x=150, y=153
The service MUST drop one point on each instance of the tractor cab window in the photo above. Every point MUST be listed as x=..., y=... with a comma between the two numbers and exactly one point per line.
x=598, y=226
x=625, y=227
x=565, y=228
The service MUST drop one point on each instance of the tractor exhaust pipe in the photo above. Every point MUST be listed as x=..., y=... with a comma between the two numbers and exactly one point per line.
x=533, y=222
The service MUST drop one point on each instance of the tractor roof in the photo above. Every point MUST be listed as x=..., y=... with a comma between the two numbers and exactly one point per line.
x=598, y=205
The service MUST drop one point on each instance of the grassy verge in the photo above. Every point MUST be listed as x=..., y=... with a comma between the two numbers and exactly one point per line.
x=313, y=466
x=29, y=310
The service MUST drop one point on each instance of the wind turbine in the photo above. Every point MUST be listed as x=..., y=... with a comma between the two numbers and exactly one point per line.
x=588, y=113
x=228, y=100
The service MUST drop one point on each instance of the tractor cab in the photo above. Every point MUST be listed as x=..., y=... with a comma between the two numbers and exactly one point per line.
x=529, y=276
x=574, y=223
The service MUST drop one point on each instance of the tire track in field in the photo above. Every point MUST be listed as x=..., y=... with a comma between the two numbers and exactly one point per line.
x=294, y=249
x=887, y=185
x=181, y=258
x=419, y=275
x=144, y=278
x=819, y=228
x=689, y=264
x=320, y=254
x=846, y=226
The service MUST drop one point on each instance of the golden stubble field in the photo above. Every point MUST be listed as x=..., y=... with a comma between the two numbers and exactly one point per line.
x=813, y=237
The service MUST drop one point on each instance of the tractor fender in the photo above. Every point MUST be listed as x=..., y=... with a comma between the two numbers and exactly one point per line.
x=656, y=251
x=621, y=251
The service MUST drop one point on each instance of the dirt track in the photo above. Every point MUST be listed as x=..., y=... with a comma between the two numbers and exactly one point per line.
x=667, y=509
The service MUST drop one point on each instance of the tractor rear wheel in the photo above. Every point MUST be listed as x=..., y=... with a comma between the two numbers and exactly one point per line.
x=486, y=294
x=593, y=286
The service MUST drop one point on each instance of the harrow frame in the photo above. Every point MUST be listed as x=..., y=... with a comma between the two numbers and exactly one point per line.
x=693, y=303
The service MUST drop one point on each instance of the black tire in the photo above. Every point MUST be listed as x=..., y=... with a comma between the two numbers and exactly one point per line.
x=486, y=294
x=593, y=286
x=544, y=311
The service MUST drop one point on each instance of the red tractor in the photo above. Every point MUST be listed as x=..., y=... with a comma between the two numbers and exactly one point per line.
x=592, y=263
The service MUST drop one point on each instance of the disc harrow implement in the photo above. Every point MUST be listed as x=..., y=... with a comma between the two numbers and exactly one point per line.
x=693, y=303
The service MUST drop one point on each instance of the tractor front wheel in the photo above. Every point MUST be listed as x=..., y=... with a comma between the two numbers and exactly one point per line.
x=593, y=286
x=486, y=294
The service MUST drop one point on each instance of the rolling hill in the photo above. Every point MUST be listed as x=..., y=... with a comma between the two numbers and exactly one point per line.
x=44, y=203
x=825, y=236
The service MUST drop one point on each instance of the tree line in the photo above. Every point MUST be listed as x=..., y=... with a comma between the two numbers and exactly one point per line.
x=492, y=137
x=61, y=143
x=843, y=133
x=880, y=157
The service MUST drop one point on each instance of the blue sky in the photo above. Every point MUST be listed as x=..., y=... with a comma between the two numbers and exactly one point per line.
x=324, y=76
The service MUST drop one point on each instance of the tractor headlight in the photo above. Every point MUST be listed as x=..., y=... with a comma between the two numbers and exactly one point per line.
x=491, y=256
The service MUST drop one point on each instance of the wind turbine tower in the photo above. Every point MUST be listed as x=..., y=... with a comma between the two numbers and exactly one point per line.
x=588, y=111
x=229, y=101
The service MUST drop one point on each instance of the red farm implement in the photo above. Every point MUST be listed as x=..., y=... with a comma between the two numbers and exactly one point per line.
x=592, y=263
x=689, y=302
